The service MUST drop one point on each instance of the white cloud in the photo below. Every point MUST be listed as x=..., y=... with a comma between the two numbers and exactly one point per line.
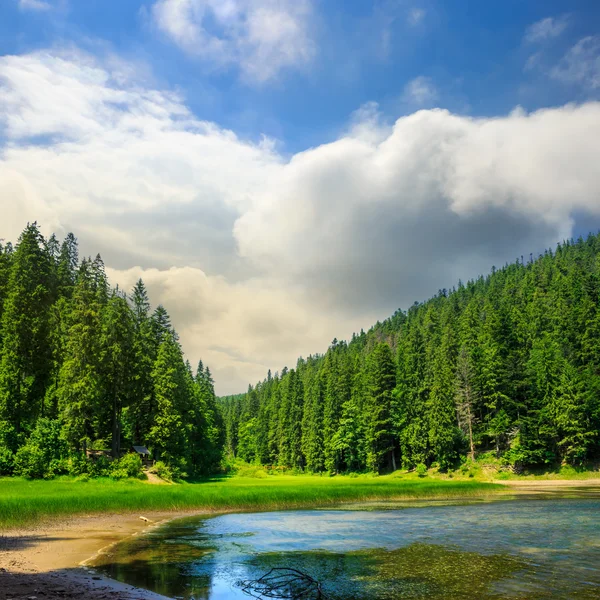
x=365, y=221
x=239, y=329
x=420, y=92
x=260, y=258
x=415, y=16
x=39, y=5
x=546, y=29
x=261, y=37
x=581, y=64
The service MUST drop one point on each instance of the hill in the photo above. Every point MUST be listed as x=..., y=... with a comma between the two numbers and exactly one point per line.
x=508, y=363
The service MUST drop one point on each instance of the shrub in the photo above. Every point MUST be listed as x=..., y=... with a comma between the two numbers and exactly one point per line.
x=45, y=446
x=162, y=470
x=8, y=436
x=129, y=465
x=421, y=470
x=30, y=462
x=78, y=465
x=7, y=461
x=59, y=466
x=101, y=466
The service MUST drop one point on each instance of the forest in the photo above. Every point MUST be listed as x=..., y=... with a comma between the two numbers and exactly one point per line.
x=87, y=371
x=507, y=364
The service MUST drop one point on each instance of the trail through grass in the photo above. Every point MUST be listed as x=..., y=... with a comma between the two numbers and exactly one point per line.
x=24, y=502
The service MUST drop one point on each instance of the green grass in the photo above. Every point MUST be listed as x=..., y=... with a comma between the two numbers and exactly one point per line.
x=24, y=502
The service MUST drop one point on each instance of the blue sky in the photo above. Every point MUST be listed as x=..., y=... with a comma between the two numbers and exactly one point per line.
x=282, y=172
x=368, y=51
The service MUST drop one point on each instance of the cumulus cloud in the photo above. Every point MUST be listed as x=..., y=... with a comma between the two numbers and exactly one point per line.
x=259, y=257
x=261, y=37
x=103, y=153
x=366, y=221
x=546, y=29
x=239, y=329
x=581, y=64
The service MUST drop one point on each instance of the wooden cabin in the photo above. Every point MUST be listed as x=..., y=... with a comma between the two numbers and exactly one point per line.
x=144, y=454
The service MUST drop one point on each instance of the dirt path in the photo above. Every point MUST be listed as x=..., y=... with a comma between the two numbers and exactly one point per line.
x=155, y=479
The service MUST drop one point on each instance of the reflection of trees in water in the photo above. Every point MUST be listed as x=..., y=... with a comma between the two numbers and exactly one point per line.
x=284, y=582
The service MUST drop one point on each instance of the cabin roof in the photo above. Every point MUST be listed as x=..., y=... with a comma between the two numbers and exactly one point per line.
x=141, y=449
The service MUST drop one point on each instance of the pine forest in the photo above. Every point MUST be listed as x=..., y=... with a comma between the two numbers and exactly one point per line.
x=507, y=364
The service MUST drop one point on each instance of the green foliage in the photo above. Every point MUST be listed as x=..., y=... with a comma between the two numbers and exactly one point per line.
x=7, y=461
x=84, y=367
x=41, y=456
x=129, y=465
x=163, y=470
x=29, y=462
x=421, y=470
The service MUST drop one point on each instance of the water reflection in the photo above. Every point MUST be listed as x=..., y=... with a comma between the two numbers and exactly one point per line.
x=517, y=549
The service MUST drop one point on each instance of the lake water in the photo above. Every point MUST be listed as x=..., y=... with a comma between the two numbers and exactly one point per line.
x=526, y=549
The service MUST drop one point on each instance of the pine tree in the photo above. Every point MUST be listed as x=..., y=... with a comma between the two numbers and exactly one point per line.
x=167, y=434
x=25, y=356
x=116, y=358
x=378, y=435
x=80, y=389
x=140, y=414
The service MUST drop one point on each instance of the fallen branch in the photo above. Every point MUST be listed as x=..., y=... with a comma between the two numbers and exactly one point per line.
x=284, y=582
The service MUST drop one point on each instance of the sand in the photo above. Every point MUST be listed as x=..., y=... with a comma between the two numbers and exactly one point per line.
x=48, y=562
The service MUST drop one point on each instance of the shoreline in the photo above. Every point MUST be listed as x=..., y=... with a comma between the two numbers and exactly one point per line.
x=50, y=561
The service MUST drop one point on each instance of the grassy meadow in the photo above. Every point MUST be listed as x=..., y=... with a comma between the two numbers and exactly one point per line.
x=25, y=502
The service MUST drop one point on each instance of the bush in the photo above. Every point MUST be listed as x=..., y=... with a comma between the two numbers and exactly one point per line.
x=45, y=449
x=162, y=470
x=101, y=466
x=421, y=470
x=8, y=436
x=30, y=462
x=7, y=461
x=129, y=465
x=78, y=465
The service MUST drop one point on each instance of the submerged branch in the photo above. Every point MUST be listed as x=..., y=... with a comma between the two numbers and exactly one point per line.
x=284, y=582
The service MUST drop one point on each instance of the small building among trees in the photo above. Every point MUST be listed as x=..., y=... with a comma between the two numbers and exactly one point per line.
x=144, y=454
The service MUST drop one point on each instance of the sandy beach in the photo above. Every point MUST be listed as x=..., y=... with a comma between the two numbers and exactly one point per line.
x=48, y=562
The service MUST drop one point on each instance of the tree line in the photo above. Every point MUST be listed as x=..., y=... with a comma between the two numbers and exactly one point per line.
x=87, y=367
x=507, y=364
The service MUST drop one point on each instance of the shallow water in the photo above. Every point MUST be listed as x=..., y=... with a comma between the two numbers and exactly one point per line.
x=536, y=548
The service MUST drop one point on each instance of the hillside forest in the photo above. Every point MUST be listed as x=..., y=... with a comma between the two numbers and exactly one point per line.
x=507, y=364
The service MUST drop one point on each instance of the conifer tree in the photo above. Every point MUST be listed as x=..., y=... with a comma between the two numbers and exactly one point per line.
x=25, y=357
x=379, y=429
x=80, y=389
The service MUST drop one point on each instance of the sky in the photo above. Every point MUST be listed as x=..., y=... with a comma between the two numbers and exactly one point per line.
x=284, y=172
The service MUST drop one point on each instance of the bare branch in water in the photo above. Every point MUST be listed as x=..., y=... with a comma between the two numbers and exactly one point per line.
x=284, y=582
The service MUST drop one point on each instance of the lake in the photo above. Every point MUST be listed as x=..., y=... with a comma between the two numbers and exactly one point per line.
x=522, y=548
